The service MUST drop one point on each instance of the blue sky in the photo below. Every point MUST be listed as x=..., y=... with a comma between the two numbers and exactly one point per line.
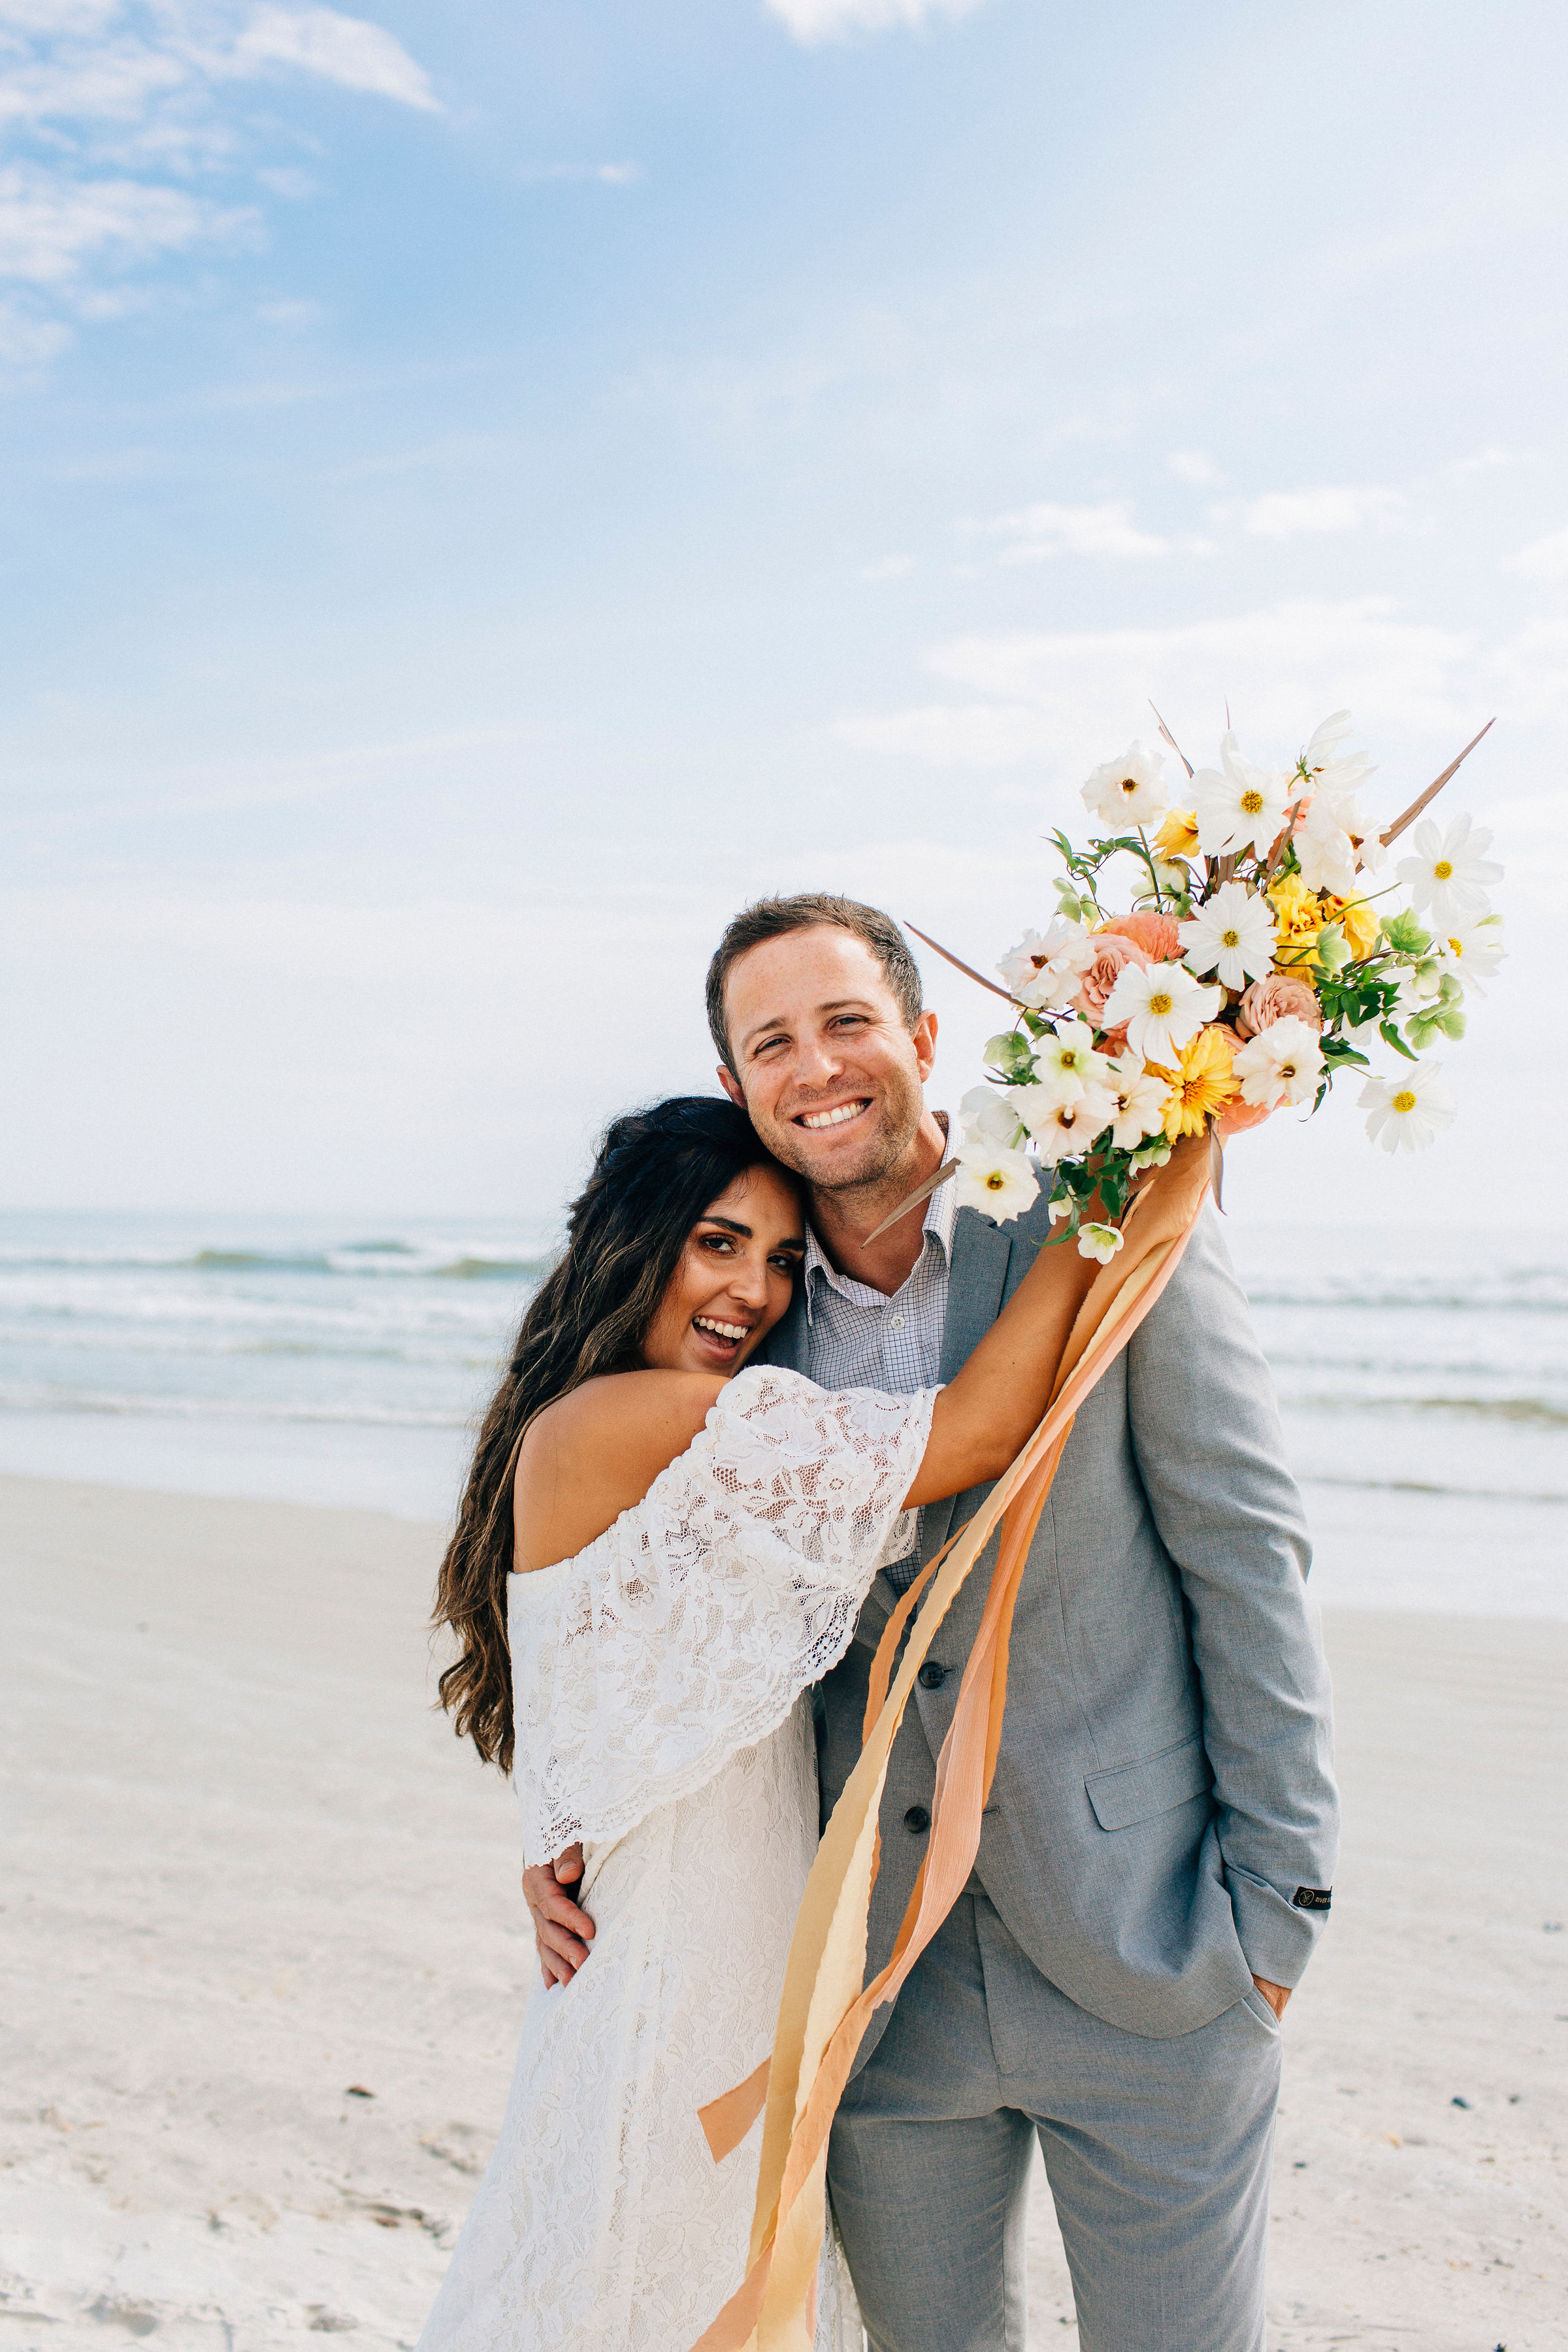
x=491, y=488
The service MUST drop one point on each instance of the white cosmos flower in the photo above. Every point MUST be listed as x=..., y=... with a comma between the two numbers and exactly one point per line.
x=1001, y=1183
x=1324, y=850
x=1324, y=762
x=1139, y=1102
x=1234, y=932
x=1474, y=951
x=1408, y=1109
x=1099, y=1240
x=1045, y=972
x=1163, y=1007
x=1282, y=1063
x=1127, y=791
x=989, y=1117
x=1065, y=1129
x=1065, y=1062
x=1447, y=873
x=1238, y=805
x=1334, y=842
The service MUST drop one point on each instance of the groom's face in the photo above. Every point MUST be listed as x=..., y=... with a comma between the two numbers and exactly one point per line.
x=828, y=1072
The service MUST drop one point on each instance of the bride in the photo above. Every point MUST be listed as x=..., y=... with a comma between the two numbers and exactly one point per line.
x=661, y=1547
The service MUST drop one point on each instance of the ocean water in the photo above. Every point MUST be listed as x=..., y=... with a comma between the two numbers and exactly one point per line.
x=1422, y=1375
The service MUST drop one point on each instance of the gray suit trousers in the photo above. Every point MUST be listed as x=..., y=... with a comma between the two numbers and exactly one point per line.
x=1157, y=2151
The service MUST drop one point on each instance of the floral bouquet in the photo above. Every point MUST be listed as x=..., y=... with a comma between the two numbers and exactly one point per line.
x=1266, y=950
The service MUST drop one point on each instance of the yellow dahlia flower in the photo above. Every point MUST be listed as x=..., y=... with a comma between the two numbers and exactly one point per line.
x=1200, y=1085
x=1357, y=918
x=1299, y=917
x=1178, y=836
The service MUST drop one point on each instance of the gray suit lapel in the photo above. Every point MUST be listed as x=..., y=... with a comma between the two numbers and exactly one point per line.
x=976, y=1281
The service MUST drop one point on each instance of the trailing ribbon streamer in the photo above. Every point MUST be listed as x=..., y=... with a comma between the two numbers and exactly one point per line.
x=825, y=2005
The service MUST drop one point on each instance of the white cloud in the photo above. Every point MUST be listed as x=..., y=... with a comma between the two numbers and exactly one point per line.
x=59, y=16
x=344, y=49
x=116, y=113
x=1054, y=698
x=1545, y=560
x=28, y=343
x=610, y=175
x=1294, y=514
x=1194, y=465
x=1040, y=532
x=814, y=21
x=51, y=228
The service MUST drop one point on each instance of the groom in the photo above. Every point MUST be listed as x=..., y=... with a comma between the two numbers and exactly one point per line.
x=1155, y=1861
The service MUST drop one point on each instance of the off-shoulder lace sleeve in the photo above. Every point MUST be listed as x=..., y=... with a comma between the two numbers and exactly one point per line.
x=689, y=1628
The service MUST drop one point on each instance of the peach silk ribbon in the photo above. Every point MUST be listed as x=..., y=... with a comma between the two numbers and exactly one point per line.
x=825, y=2006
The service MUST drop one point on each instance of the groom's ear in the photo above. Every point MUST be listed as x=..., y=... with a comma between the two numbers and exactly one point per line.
x=731, y=1086
x=924, y=1034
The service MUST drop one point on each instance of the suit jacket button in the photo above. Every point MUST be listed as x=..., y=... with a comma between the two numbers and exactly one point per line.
x=917, y=1819
x=931, y=1677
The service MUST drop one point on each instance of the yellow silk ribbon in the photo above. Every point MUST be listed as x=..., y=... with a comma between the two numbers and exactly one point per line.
x=825, y=2006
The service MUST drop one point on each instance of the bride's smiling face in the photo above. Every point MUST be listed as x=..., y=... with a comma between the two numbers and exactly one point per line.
x=734, y=1279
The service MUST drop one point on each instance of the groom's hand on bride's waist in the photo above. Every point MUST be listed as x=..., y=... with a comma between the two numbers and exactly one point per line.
x=562, y=1933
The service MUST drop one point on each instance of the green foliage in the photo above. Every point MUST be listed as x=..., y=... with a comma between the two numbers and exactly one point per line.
x=1438, y=1020
x=1358, y=995
x=1404, y=935
x=1333, y=948
x=1009, y=1052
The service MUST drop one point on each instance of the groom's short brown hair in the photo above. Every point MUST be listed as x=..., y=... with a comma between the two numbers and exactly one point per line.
x=775, y=918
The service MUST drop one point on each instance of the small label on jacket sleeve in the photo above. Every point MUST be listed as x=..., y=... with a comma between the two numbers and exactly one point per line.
x=1314, y=1898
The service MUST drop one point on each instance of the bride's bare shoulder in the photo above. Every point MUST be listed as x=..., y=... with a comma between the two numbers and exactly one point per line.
x=591, y=1456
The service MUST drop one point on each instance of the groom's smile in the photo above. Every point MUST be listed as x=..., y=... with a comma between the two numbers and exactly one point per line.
x=818, y=1118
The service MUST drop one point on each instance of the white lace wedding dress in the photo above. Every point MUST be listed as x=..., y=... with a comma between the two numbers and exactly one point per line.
x=660, y=1682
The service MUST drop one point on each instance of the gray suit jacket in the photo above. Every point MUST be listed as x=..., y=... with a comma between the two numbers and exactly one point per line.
x=1165, y=1785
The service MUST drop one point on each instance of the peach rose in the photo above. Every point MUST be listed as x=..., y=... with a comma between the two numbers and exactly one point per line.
x=1278, y=996
x=1109, y=955
x=1155, y=934
x=1237, y=1117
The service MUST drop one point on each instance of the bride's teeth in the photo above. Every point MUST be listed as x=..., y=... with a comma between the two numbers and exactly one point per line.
x=722, y=1330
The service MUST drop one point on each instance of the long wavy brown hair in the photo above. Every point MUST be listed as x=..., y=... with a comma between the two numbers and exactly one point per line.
x=655, y=1173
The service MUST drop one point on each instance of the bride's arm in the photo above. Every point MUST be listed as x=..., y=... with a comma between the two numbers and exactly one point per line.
x=988, y=1410
x=594, y=1454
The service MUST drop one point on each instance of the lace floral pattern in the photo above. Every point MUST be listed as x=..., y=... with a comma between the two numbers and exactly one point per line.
x=686, y=1630
x=602, y=2223
x=661, y=1678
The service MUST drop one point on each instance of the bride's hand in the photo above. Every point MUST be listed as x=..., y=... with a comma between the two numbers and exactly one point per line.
x=562, y=1933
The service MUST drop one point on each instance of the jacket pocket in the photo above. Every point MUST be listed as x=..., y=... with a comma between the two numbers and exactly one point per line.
x=1137, y=1792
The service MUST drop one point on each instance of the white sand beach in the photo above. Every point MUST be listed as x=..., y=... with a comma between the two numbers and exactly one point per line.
x=264, y=1952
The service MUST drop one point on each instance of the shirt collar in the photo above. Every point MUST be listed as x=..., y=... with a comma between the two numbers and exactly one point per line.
x=941, y=1208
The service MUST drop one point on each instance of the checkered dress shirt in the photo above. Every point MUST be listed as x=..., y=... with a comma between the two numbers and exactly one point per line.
x=857, y=1337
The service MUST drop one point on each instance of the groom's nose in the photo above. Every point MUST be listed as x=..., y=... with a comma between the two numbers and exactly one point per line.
x=817, y=1061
